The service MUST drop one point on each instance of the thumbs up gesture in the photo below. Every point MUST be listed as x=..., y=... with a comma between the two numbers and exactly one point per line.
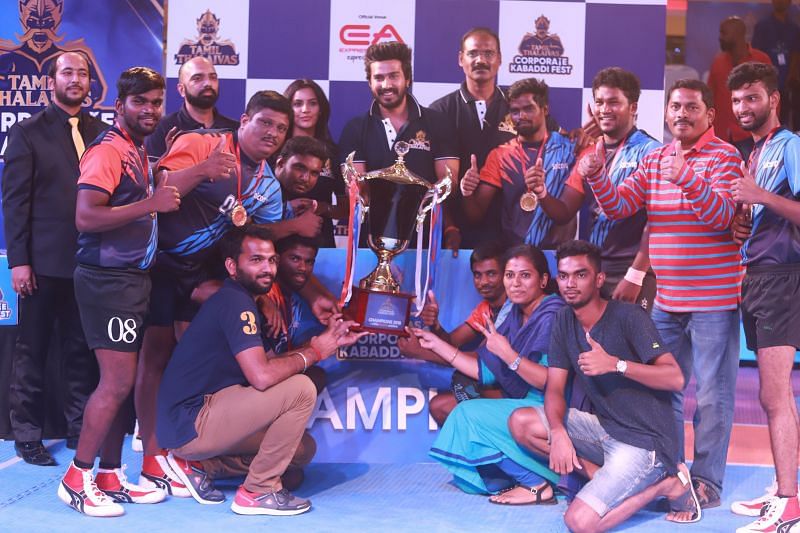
x=430, y=312
x=596, y=361
x=744, y=188
x=471, y=178
x=672, y=163
x=165, y=198
x=591, y=163
x=220, y=164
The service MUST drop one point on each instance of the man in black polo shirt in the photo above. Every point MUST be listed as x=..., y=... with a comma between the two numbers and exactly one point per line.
x=478, y=112
x=199, y=87
x=395, y=115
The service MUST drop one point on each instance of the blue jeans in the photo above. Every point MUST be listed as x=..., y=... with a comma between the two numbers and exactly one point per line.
x=708, y=344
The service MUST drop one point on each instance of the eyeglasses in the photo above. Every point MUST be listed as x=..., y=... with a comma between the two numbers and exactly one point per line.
x=475, y=54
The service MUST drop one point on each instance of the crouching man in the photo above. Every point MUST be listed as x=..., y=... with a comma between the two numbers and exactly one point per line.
x=225, y=406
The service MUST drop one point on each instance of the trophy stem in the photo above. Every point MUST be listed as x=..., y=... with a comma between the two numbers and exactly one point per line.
x=381, y=278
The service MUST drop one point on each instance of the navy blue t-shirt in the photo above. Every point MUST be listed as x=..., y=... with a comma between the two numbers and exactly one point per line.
x=629, y=411
x=204, y=361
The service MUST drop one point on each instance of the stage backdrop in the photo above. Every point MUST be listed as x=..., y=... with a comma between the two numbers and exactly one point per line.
x=260, y=44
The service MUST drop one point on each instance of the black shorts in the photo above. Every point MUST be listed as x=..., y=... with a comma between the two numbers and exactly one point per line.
x=770, y=306
x=173, y=284
x=113, y=306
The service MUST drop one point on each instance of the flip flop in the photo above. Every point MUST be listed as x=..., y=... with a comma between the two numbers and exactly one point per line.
x=688, y=501
x=536, y=491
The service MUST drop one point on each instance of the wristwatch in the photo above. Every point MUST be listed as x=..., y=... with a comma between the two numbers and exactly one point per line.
x=515, y=364
x=622, y=366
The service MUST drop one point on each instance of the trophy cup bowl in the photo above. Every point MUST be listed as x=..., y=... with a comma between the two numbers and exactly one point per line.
x=394, y=201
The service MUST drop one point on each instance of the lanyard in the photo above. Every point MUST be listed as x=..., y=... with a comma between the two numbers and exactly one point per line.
x=539, y=153
x=617, y=153
x=760, y=150
x=145, y=164
x=240, y=171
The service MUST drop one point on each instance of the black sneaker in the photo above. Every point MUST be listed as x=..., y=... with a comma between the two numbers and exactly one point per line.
x=34, y=453
x=277, y=503
x=196, y=480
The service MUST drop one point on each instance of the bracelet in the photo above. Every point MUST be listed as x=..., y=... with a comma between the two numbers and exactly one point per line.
x=316, y=352
x=635, y=276
x=542, y=196
x=305, y=361
x=455, y=354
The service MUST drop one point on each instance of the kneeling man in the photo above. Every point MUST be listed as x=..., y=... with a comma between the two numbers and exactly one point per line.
x=225, y=406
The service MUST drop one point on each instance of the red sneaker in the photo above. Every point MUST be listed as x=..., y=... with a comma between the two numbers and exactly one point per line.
x=116, y=486
x=157, y=474
x=276, y=503
x=780, y=516
x=78, y=490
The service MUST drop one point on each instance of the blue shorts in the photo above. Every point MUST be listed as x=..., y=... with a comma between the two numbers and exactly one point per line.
x=625, y=470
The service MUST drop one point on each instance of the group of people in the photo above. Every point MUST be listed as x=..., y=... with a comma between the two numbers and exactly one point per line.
x=193, y=238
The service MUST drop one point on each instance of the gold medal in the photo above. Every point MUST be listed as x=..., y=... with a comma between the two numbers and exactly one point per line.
x=528, y=201
x=239, y=215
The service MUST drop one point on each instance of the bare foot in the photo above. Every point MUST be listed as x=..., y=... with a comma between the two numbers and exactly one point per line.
x=681, y=496
x=523, y=495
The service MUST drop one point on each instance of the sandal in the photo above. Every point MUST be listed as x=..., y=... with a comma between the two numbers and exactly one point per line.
x=536, y=491
x=707, y=494
x=688, y=501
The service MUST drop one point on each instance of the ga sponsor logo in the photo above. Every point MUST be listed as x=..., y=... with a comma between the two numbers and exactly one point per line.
x=208, y=44
x=361, y=35
x=540, y=52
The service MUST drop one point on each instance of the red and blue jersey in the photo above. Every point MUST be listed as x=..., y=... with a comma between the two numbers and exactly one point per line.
x=774, y=239
x=692, y=251
x=116, y=167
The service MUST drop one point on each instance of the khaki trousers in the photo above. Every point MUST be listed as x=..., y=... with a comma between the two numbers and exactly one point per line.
x=241, y=430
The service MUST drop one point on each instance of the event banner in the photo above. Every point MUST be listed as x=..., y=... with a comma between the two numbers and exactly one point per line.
x=260, y=44
x=113, y=35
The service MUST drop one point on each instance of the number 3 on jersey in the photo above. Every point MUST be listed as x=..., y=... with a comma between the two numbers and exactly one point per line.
x=249, y=320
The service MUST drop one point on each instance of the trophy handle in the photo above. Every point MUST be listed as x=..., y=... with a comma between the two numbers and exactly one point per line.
x=351, y=176
x=440, y=191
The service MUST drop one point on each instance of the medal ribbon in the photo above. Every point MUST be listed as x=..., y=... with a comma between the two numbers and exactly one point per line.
x=144, y=165
x=539, y=154
x=240, y=171
x=750, y=161
x=354, y=232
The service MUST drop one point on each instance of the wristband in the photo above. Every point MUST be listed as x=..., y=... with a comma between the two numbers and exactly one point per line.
x=635, y=276
x=305, y=361
x=542, y=196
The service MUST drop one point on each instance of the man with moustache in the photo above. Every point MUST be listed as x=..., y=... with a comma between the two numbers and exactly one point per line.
x=771, y=287
x=39, y=190
x=115, y=214
x=395, y=116
x=685, y=188
x=299, y=165
x=198, y=85
x=623, y=244
x=478, y=113
x=525, y=170
x=735, y=50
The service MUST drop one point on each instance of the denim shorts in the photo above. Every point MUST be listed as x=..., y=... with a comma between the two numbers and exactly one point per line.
x=625, y=470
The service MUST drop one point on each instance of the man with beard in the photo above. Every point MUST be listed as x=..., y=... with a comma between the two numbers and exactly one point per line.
x=39, y=191
x=623, y=244
x=116, y=216
x=525, y=170
x=771, y=287
x=298, y=168
x=226, y=406
x=735, y=50
x=199, y=86
x=395, y=116
x=685, y=188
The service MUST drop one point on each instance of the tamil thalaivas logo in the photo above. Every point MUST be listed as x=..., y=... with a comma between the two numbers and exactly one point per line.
x=207, y=44
x=24, y=64
x=541, y=52
x=420, y=142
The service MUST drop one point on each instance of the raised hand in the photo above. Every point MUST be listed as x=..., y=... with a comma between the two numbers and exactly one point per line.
x=220, y=164
x=745, y=190
x=671, y=164
x=592, y=163
x=596, y=361
x=535, y=179
x=496, y=342
x=308, y=224
x=471, y=178
x=165, y=198
x=430, y=311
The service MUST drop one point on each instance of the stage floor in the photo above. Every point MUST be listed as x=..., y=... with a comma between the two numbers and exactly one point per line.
x=371, y=497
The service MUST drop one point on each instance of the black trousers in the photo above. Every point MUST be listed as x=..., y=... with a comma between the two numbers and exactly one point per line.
x=49, y=314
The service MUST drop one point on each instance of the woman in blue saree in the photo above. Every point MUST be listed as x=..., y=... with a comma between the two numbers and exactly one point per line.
x=475, y=443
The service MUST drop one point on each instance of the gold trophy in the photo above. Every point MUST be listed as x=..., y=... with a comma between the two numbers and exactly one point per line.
x=394, y=201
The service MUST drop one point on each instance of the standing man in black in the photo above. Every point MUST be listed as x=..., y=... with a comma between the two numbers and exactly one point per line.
x=199, y=86
x=39, y=191
x=478, y=113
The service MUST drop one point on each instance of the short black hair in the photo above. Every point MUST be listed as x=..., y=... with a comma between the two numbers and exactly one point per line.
x=480, y=30
x=694, y=85
x=494, y=249
x=270, y=100
x=231, y=243
x=752, y=72
x=618, y=78
x=537, y=259
x=296, y=240
x=52, y=70
x=576, y=247
x=387, y=52
x=538, y=88
x=304, y=145
x=138, y=80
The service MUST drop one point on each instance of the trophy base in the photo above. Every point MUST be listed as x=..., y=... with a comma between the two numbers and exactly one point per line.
x=380, y=312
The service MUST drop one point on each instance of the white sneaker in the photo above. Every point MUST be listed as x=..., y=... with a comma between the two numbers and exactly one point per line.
x=753, y=507
x=165, y=479
x=780, y=515
x=78, y=490
x=117, y=487
x=136, y=439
